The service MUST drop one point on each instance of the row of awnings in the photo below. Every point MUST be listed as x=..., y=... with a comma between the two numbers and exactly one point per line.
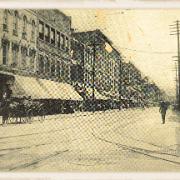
x=46, y=89
x=43, y=89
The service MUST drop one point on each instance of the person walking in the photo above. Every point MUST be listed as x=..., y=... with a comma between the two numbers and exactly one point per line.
x=5, y=110
x=163, y=108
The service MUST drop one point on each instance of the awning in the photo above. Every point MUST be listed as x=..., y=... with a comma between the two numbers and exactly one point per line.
x=96, y=94
x=28, y=86
x=43, y=89
x=59, y=90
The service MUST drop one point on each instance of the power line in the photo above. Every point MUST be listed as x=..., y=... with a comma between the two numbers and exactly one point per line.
x=150, y=52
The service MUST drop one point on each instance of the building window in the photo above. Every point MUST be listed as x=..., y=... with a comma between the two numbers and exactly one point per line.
x=47, y=33
x=33, y=31
x=58, y=40
x=24, y=56
x=41, y=30
x=58, y=73
x=62, y=41
x=41, y=64
x=52, y=36
x=5, y=53
x=66, y=44
x=32, y=54
x=15, y=23
x=24, y=33
x=15, y=49
x=5, y=20
x=47, y=65
x=52, y=69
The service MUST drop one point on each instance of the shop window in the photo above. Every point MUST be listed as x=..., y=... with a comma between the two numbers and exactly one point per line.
x=47, y=33
x=5, y=20
x=41, y=30
x=15, y=23
x=52, y=36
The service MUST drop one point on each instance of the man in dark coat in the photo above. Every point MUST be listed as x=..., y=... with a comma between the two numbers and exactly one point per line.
x=163, y=108
x=5, y=110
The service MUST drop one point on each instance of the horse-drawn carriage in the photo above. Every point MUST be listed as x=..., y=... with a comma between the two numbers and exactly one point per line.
x=21, y=110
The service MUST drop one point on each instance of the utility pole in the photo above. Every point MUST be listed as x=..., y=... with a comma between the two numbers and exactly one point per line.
x=120, y=81
x=177, y=87
x=93, y=71
x=175, y=31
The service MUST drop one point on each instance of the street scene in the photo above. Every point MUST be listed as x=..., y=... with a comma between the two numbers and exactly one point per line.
x=93, y=142
x=89, y=90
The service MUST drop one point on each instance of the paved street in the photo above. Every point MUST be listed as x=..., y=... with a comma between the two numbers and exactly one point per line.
x=127, y=140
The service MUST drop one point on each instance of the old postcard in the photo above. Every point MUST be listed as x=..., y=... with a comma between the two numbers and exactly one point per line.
x=89, y=90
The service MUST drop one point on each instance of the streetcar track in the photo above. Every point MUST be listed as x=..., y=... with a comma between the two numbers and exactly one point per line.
x=31, y=134
x=35, y=162
x=134, y=122
x=17, y=149
x=145, y=152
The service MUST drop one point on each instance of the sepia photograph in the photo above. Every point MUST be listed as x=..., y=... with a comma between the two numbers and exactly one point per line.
x=89, y=90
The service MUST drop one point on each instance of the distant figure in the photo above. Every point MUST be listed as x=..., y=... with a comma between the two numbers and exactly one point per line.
x=5, y=110
x=163, y=108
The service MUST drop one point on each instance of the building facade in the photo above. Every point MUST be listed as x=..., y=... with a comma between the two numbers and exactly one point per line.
x=18, y=40
x=101, y=62
x=41, y=46
x=35, y=54
x=18, y=43
x=53, y=44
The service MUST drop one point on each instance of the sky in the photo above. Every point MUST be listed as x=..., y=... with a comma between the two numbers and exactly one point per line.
x=142, y=36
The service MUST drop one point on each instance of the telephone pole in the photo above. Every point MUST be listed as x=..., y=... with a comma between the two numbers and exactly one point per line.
x=177, y=86
x=175, y=31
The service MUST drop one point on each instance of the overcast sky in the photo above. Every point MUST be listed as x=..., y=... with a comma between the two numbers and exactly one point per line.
x=142, y=36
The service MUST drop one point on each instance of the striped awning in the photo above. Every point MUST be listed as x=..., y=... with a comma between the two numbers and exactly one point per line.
x=43, y=89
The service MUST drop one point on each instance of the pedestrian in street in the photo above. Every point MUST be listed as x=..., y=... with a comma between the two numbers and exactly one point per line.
x=5, y=110
x=163, y=108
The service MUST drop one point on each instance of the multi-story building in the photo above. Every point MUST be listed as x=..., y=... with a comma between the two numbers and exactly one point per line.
x=18, y=43
x=135, y=87
x=53, y=44
x=101, y=62
x=40, y=57
x=35, y=55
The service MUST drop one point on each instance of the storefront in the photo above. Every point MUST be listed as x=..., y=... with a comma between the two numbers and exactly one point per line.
x=6, y=80
x=56, y=97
